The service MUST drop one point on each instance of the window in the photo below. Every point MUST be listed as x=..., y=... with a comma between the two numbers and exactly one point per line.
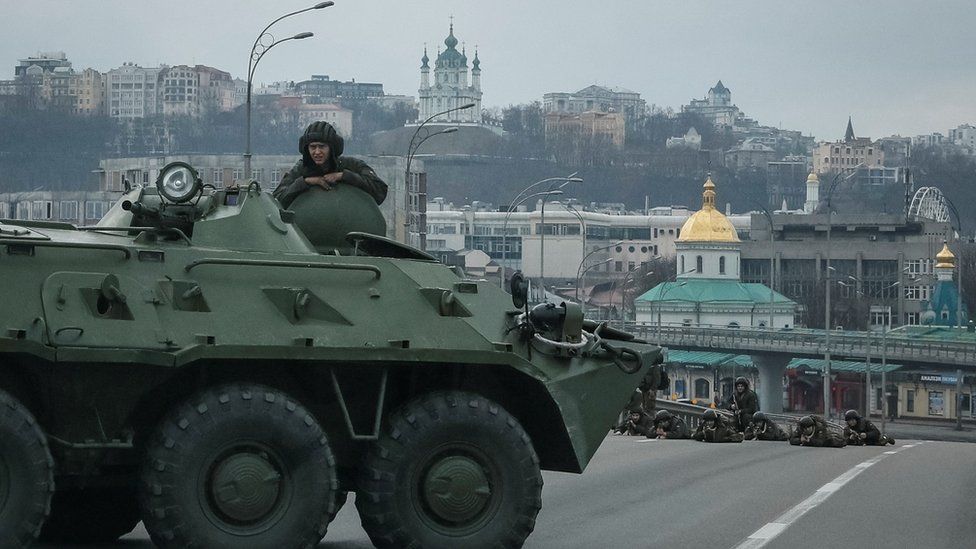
x=682, y=264
x=4, y=210
x=275, y=176
x=912, y=319
x=879, y=316
x=42, y=209
x=218, y=178
x=23, y=210
x=238, y=174
x=721, y=265
x=910, y=401
x=94, y=210
x=918, y=293
x=69, y=210
x=702, y=388
x=618, y=266
x=698, y=264
x=257, y=175
x=936, y=403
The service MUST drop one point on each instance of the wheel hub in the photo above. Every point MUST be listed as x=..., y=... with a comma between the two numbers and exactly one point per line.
x=245, y=487
x=456, y=489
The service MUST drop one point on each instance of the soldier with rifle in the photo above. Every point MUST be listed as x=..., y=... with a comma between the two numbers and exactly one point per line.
x=763, y=428
x=861, y=432
x=714, y=427
x=743, y=403
x=814, y=431
x=666, y=425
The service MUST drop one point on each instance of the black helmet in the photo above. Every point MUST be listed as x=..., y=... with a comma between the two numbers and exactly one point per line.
x=661, y=416
x=710, y=415
x=742, y=381
x=320, y=132
x=852, y=414
x=806, y=422
x=759, y=416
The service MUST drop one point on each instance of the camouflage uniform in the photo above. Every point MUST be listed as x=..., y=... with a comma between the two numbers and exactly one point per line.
x=744, y=404
x=355, y=172
x=763, y=428
x=669, y=427
x=721, y=431
x=817, y=434
x=638, y=423
x=873, y=435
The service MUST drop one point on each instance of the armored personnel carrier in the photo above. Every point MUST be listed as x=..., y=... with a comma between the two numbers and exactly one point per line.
x=198, y=362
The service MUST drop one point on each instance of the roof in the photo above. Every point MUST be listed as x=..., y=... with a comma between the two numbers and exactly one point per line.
x=708, y=224
x=711, y=359
x=818, y=364
x=708, y=358
x=706, y=290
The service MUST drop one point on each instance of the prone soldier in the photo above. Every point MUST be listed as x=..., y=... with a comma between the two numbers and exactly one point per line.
x=763, y=428
x=667, y=425
x=814, y=431
x=861, y=432
x=638, y=423
x=715, y=428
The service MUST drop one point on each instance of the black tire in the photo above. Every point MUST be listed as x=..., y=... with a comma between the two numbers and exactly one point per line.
x=411, y=493
x=94, y=515
x=26, y=475
x=240, y=466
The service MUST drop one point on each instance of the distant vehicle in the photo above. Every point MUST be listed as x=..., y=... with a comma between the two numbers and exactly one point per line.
x=197, y=362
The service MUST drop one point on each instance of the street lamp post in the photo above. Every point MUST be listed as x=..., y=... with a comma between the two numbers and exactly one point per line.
x=587, y=256
x=958, y=312
x=583, y=277
x=257, y=52
x=508, y=215
x=571, y=178
x=421, y=197
x=772, y=270
x=412, y=148
x=661, y=301
x=828, y=401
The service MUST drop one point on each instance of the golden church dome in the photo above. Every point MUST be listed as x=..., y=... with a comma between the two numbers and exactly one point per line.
x=708, y=224
x=812, y=178
x=945, y=259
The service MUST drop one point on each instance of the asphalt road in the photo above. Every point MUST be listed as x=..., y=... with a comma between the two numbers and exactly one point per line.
x=680, y=494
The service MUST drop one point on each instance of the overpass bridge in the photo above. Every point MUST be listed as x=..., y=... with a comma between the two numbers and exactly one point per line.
x=914, y=346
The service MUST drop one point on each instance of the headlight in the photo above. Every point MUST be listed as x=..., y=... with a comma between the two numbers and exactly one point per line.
x=178, y=182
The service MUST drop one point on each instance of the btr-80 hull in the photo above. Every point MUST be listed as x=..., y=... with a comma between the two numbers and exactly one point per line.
x=237, y=383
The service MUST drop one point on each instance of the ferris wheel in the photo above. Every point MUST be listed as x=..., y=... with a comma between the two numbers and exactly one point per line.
x=928, y=203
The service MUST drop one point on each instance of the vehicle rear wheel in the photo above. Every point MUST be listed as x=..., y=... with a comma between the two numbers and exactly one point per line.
x=241, y=466
x=93, y=515
x=26, y=474
x=452, y=469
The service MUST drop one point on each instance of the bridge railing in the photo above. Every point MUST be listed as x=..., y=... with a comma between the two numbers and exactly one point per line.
x=804, y=341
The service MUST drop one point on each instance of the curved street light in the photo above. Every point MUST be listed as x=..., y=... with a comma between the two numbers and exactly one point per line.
x=258, y=49
x=587, y=256
x=412, y=148
x=518, y=200
x=511, y=209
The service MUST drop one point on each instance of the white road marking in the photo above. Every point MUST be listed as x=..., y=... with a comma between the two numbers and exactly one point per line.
x=770, y=530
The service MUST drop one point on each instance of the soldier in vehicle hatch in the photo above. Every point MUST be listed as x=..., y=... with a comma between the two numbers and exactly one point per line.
x=323, y=165
x=714, y=427
x=744, y=403
x=814, y=431
x=667, y=425
x=763, y=428
x=861, y=432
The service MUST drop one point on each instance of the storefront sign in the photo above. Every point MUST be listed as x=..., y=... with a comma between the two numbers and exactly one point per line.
x=948, y=380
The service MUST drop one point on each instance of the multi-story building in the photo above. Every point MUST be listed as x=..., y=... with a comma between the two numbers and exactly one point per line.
x=340, y=118
x=877, y=261
x=785, y=182
x=847, y=155
x=896, y=150
x=132, y=91
x=75, y=207
x=89, y=92
x=596, y=98
x=928, y=140
x=964, y=136
x=451, y=88
x=619, y=243
x=749, y=154
x=716, y=108
x=224, y=170
x=43, y=61
x=586, y=127
x=324, y=90
x=180, y=91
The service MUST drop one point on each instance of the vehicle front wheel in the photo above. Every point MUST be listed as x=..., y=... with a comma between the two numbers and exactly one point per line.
x=26, y=474
x=241, y=466
x=452, y=469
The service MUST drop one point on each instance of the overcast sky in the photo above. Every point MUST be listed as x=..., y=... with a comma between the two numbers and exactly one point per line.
x=906, y=67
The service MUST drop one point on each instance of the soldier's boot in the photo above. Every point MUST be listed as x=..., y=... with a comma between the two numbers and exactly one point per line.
x=889, y=439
